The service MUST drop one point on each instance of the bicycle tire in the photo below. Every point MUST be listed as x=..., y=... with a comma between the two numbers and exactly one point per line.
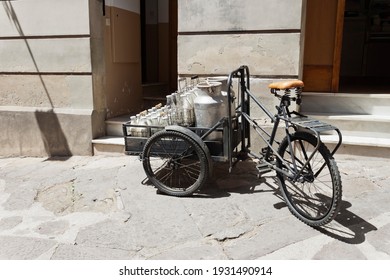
x=175, y=163
x=313, y=198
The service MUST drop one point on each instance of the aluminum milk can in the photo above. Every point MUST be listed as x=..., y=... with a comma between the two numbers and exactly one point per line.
x=210, y=107
x=224, y=91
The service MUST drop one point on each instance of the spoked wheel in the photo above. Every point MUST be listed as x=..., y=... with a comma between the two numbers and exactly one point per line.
x=314, y=195
x=175, y=163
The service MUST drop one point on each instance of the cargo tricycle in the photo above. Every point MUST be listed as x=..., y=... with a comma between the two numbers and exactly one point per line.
x=178, y=155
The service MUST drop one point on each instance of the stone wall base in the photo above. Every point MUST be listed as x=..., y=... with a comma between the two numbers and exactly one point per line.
x=48, y=132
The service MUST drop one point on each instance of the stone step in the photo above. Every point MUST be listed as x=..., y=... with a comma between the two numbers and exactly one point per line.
x=363, y=135
x=345, y=103
x=114, y=125
x=109, y=145
x=359, y=145
x=113, y=143
x=358, y=125
x=363, y=119
x=353, y=145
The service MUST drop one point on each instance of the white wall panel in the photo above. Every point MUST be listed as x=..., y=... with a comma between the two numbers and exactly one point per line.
x=58, y=91
x=265, y=54
x=45, y=55
x=43, y=17
x=217, y=15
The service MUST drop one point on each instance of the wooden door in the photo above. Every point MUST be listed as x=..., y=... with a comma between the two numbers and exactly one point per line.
x=323, y=41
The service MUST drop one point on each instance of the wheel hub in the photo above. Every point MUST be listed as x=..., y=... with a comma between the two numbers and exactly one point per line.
x=305, y=178
x=173, y=164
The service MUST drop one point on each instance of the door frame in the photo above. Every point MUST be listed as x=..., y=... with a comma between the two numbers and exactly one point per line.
x=338, y=46
x=173, y=25
x=321, y=61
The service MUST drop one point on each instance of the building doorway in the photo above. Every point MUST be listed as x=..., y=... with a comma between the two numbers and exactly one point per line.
x=346, y=46
x=159, y=46
x=323, y=37
x=365, y=56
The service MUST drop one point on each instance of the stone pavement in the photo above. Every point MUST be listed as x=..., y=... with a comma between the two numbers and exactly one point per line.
x=97, y=208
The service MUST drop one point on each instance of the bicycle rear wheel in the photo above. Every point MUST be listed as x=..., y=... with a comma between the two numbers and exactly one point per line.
x=175, y=163
x=314, y=196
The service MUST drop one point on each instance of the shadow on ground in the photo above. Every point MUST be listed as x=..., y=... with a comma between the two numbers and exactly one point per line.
x=347, y=227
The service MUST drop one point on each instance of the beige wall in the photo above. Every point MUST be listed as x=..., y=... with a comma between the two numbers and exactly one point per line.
x=219, y=54
x=33, y=19
x=64, y=71
x=50, y=85
x=217, y=15
x=216, y=37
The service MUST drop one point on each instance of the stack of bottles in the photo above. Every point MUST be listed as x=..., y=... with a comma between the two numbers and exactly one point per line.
x=179, y=110
x=200, y=105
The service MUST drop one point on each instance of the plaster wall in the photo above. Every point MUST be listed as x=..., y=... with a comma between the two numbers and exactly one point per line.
x=222, y=15
x=265, y=54
x=50, y=92
x=69, y=55
x=44, y=17
x=215, y=37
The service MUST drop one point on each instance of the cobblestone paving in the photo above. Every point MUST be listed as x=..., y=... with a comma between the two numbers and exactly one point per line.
x=97, y=208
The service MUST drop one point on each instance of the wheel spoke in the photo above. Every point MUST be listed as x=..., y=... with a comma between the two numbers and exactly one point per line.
x=314, y=195
x=175, y=163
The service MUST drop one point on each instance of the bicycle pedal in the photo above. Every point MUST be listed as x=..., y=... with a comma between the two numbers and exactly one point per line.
x=263, y=168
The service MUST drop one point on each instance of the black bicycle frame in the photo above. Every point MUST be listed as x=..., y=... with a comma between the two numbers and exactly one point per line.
x=283, y=114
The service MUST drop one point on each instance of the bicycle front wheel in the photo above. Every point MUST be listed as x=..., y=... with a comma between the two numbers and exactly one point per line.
x=175, y=163
x=312, y=190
